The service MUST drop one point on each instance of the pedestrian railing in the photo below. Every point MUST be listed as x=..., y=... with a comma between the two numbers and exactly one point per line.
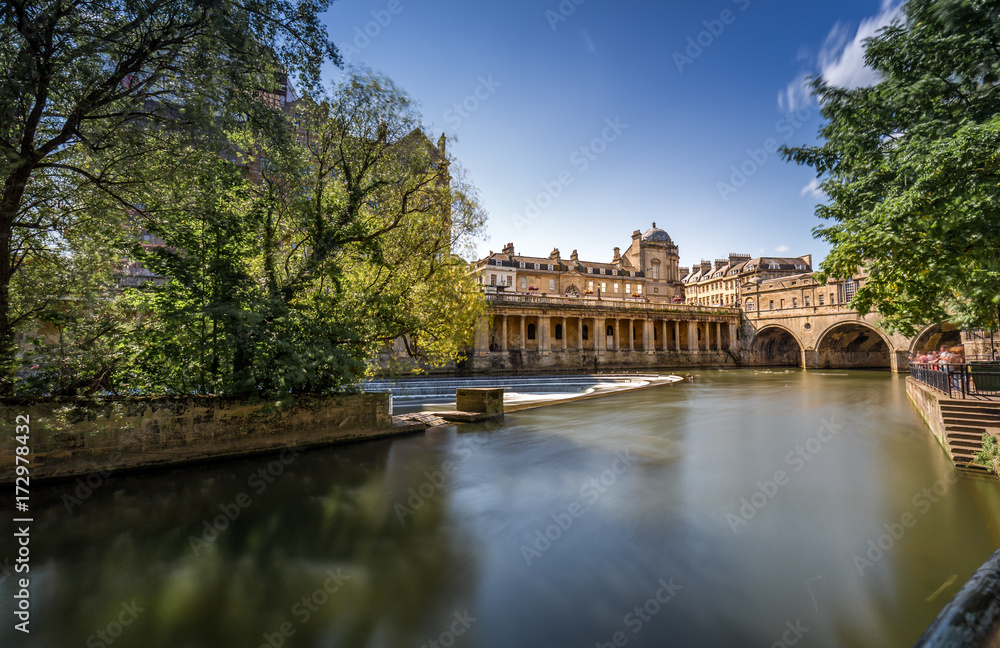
x=960, y=380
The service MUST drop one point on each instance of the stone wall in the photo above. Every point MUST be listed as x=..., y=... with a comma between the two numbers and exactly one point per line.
x=927, y=400
x=518, y=361
x=72, y=436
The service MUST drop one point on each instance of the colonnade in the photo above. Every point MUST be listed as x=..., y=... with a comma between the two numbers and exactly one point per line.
x=604, y=333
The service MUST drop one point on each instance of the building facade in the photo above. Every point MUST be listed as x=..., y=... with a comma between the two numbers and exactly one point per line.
x=720, y=284
x=555, y=313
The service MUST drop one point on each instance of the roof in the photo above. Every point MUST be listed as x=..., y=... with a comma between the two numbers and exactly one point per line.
x=656, y=235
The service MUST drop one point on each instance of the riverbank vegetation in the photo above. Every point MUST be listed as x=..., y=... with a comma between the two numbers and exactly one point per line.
x=990, y=454
x=911, y=167
x=184, y=224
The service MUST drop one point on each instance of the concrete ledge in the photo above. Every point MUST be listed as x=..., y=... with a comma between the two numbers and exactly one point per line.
x=76, y=436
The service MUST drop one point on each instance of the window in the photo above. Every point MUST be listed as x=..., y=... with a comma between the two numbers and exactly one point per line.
x=795, y=302
x=590, y=286
x=550, y=266
x=831, y=299
x=611, y=331
x=772, y=304
x=537, y=266
x=586, y=332
x=749, y=306
x=806, y=298
x=531, y=331
x=604, y=286
x=524, y=283
x=616, y=286
x=638, y=289
x=821, y=300
x=558, y=331
x=552, y=284
x=654, y=271
x=628, y=289
x=849, y=289
x=493, y=280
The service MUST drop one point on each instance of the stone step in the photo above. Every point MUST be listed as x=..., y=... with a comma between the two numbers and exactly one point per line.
x=970, y=416
x=964, y=428
x=971, y=408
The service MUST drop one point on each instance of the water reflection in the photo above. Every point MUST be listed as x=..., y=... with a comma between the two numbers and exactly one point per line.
x=561, y=528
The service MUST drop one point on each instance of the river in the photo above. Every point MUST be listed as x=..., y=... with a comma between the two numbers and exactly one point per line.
x=747, y=508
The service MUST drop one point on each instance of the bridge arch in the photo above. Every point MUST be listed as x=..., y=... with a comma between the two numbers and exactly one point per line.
x=932, y=337
x=855, y=344
x=775, y=345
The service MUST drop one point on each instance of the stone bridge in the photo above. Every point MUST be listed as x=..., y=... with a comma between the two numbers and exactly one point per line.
x=832, y=336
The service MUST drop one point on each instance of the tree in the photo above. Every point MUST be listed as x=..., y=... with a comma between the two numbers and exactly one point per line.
x=91, y=87
x=291, y=273
x=911, y=167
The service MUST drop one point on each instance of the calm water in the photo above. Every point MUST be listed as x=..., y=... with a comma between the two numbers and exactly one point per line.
x=672, y=493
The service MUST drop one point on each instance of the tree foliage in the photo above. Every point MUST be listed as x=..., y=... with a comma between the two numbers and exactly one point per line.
x=291, y=265
x=911, y=166
x=91, y=88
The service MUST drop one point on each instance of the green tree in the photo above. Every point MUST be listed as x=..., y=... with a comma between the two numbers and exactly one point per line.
x=911, y=166
x=91, y=87
x=291, y=274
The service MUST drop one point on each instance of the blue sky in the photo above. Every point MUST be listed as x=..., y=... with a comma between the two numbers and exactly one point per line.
x=583, y=120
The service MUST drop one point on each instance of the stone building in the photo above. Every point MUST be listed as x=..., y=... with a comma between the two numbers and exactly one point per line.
x=720, y=284
x=648, y=271
x=556, y=313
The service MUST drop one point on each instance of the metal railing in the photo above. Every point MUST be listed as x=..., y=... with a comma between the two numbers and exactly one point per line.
x=960, y=380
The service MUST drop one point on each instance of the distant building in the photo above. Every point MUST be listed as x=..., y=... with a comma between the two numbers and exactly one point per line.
x=648, y=271
x=720, y=284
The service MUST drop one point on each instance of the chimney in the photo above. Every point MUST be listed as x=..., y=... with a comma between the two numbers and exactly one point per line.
x=509, y=249
x=684, y=272
x=554, y=255
x=706, y=267
x=618, y=254
x=574, y=256
x=721, y=263
x=636, y=235
x=735, y=259
x=808, y=258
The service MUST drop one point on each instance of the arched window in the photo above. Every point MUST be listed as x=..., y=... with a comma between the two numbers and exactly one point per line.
x=586, y=332
x=654, y=269
x=558, y=331
x=749, y=306
x=531, y=331
x=611, y=330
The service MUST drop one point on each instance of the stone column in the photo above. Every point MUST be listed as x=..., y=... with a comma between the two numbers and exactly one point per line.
x=599, y=337
x=631, y=334
x=565, y=335
x=718, y=336
x=616, y=345
x=579, y=334
x=503, y=340
x=664, y=346
x=524, y=332
x=732, y=336
x=677, y=336
x=692, y=336
x=544, y=326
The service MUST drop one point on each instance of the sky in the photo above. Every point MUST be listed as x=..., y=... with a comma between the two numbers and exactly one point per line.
x=583, y=120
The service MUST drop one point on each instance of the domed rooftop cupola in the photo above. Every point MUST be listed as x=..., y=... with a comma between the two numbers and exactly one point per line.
x=656, y=235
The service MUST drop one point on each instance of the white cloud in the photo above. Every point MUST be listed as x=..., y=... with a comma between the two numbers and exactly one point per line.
x=812, y=189
x=841, y=59
x=782, y=249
